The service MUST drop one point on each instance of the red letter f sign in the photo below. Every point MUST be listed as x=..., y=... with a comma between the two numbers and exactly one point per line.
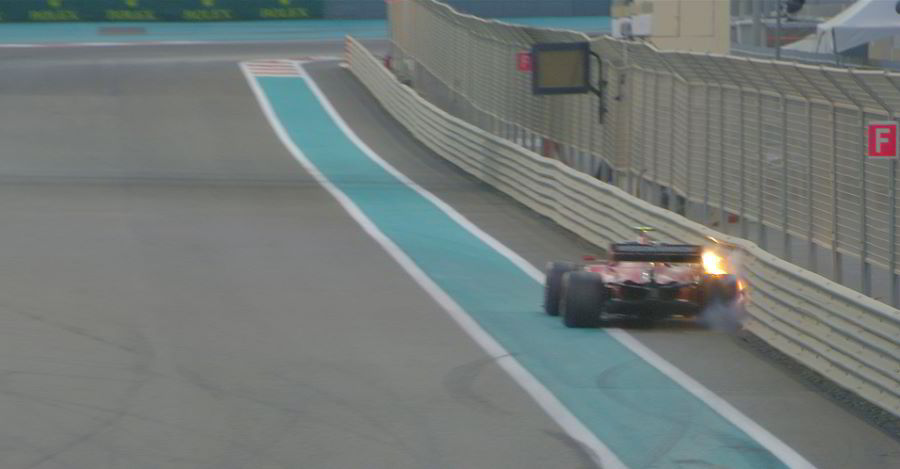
x=882, y=141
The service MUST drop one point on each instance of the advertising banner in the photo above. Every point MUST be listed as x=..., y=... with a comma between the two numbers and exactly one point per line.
x=157, y=10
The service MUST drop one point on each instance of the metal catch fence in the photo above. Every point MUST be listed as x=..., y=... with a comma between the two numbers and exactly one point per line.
x=768, y=151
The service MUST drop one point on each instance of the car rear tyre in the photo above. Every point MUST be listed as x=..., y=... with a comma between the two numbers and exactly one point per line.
x=583, y=297
x=720, y=289
x=722, y=309
x=553, y=284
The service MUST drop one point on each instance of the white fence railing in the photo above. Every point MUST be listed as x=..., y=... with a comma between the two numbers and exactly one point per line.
x=767, y=151
x=845, y=336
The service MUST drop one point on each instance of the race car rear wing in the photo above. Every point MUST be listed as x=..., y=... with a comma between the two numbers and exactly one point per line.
x=675, y=253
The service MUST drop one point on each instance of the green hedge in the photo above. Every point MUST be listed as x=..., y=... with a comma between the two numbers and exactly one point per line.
x=157, y=10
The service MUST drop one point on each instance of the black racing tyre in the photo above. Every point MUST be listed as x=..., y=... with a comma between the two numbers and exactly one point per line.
x=722, y=309
x=720, y=289
x=553, y=284
x=583, y=297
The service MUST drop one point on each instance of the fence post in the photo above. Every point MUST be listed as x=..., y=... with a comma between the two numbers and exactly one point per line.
x=656, y=139
x=671, y=192
x=723, y=220
x=810, y=237
x=785, y=236
x=591, y=130
x=640, y=176
x=741, y=208
x=689, y=142
x=864, y=229
x=761, y=173
x=836, y=258
x=706, y=163
x=508, y=88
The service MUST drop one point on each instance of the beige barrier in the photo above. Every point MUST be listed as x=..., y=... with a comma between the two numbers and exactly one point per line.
x=845, y=336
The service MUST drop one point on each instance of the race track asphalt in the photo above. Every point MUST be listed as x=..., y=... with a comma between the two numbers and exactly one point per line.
x=175, y=292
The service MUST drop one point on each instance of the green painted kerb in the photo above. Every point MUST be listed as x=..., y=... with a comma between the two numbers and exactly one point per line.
x=644, y=417
x=157, y=10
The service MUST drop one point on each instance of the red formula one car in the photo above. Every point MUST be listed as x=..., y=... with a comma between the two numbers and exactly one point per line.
x=642, y=281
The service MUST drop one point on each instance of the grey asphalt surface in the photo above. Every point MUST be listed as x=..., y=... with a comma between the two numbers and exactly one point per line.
x=824, y=432
x=175, y=292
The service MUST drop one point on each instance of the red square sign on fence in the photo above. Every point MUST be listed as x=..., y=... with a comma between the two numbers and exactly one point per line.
x=882, y=140
x=523, y=61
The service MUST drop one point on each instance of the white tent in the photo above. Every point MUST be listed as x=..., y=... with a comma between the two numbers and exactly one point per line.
x=863, y=22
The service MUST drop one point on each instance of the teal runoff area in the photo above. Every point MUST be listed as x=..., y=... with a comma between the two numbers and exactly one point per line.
x=645, y=418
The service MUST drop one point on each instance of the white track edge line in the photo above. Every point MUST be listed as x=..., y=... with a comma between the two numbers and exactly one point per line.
x=778, y=448
x=544, y=398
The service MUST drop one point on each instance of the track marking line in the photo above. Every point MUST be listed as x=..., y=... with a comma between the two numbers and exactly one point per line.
x=272, y=68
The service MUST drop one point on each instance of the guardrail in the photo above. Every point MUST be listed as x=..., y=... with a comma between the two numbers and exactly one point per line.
x=769, y=151
x=846, y=336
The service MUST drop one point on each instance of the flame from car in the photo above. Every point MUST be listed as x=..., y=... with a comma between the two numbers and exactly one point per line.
x=712, y=263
